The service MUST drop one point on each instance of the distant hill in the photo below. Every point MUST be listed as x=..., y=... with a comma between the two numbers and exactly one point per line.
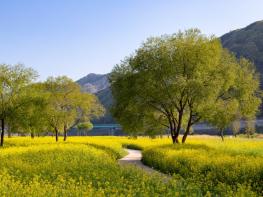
x=106, y=99
x=98, y=84
x=247, y=42
x=94, y=83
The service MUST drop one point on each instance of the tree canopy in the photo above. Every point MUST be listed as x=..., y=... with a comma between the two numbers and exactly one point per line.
x=58, y=104
x=175, y=81
x=13, y=81
x=68, y=105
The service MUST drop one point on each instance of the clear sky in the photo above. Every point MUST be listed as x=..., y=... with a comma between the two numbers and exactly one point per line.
x=77, y=37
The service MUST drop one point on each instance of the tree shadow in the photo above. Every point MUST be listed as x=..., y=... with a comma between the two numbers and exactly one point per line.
x=187, y=146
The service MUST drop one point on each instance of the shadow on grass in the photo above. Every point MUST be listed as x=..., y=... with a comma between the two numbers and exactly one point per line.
x=132, y=146
x=186, y=146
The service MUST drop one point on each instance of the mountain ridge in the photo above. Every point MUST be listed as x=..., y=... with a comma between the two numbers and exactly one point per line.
x=247, y=42
x=94, y=83
x=99, y=85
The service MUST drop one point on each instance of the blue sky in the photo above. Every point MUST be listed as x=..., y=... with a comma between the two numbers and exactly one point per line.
x=76, y=37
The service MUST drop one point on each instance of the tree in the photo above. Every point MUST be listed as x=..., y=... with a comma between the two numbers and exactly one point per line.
x=86, y=107
x=250, y=127
x=13, y=80
x=240, y=95
x=179, y=80
x=223, y=115
x=68, y=106
x=31, y=117
x=85, y=126
x=54, y=91
x=235, y=126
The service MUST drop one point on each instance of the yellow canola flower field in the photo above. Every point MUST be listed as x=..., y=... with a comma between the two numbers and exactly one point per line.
x=211, y=164
x=80, y=167
x=87, y=166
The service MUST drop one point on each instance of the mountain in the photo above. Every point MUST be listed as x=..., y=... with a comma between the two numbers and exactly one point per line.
x=94, y=83
x=106, y=100
x=247, y=42
x=99, y=85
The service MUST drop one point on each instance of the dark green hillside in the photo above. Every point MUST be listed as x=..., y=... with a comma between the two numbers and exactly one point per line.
x=247, y=42
x=106, y=99
x=98, y=84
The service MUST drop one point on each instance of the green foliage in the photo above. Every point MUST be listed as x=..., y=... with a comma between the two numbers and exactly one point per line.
x=31, y=117
x=14, y=79
x=235, y=127
x=61, y=92
x=250, y=128
x=247, y=42
x=106, y=99
x=178, y=80
x=68, y=105
x=99, y=85
x=58, y=104
x=85, y=126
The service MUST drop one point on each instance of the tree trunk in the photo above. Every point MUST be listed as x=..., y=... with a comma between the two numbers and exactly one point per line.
x=179, y=123
x=222, y=134
x=9, y=134
x=186, y=133
x=65, y=133
x=3, y=131
x=172, y=132
x=32, y=135
x=189, y=124
x=175, y=139
x=177, y=128
x=56, y=131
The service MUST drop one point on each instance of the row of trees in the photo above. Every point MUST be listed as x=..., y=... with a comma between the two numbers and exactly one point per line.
x=249, y=127
x=175, y=81
x=55, y=105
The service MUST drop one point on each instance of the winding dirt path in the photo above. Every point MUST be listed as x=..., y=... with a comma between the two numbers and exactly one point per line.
x=134, y=157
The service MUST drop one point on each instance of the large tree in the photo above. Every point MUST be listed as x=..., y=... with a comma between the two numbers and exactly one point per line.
x=68, y=105
x=30, y=118
x=178, y=80
x=84, y=127
x=13, y=81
